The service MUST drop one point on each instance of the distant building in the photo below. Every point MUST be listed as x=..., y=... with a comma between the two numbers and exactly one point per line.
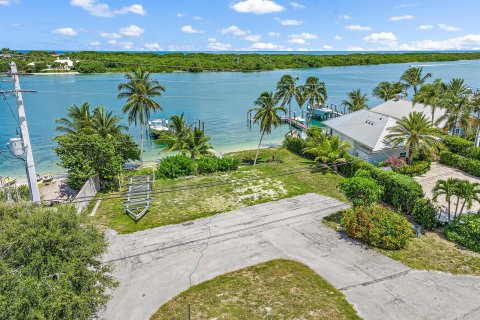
x=67, y=63
x=366, y=129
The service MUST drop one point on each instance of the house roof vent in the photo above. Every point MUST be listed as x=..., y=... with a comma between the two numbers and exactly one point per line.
x=399, y=97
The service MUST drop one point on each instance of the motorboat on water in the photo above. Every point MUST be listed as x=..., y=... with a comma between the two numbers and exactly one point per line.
x=324, y=112
x=157, y=126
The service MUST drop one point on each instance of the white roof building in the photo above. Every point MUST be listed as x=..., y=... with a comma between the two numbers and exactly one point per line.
x=366, y=129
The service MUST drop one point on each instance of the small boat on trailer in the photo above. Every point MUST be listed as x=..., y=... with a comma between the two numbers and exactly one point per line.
x=158, y=125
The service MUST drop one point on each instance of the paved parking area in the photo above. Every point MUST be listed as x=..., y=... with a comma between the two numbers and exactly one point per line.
x=155, y=265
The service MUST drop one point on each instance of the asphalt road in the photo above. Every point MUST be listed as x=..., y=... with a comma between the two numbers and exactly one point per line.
x=155, y=265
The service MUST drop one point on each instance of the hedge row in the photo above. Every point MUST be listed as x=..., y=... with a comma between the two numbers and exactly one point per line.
x=400, y=190
x=457, y=145
x=465, y=230
x=471, y=166
x=416, y=168
x=179, y=165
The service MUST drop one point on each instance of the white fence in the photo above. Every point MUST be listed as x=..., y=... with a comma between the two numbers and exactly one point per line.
x=86, y=194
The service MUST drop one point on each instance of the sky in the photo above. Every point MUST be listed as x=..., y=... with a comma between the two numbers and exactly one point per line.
x=240, y=25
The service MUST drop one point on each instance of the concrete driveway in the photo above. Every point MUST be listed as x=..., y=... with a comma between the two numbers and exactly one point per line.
x=155, y=265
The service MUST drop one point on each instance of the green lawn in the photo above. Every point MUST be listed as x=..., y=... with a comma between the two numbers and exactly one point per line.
x=427, y=252
x=264, y=182
x=278, y=289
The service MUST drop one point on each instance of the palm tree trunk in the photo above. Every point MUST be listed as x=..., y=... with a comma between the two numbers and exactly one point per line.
x=456, y=206
x=258, y=149
x=463, y=206
x=141, y=143
x=290, y=116
x=449, y=207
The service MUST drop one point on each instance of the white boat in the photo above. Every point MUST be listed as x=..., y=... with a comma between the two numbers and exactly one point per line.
x=158, y=125
x=48, y=177
x=323, y=113
x=299, y=119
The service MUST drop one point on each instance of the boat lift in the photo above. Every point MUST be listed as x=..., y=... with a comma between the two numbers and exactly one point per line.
x=138, y=196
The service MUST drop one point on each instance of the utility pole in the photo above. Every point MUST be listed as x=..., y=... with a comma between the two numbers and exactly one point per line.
x=29, y=163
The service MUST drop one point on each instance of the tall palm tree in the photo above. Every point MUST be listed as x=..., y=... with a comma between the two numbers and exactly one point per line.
x=300, y=96
x=315, y=92
x=387, y=90
x=106, y=124
x=447, y=188
x=286, y=89
x=412, y=77
x=197, y=143
x=139, y=90
x=78, y=119
x=459, y=112
x=331, y=151
x=430, y=94
x=267, y=113
x=469, y=192
x=416, y=134
x=458, y=88
x=356, y=101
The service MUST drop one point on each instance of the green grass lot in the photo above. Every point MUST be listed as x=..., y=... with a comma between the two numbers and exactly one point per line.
x=249, y=185
x=427, y=252
x=278, y=289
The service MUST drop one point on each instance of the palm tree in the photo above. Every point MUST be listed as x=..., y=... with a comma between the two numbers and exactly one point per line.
x=387, y=90
x=458, y=88
x=300, y=96
x=469, y=192
x=106, y=124
x=459, y=111
x=331, y=151
x=315, y=92
x=357, y=101
x=286, y=89
x=430, y=94
x=78, y=119
x=412, y=77
x=416, y=134
x=447, y=188
x=139, y=91
x=266, y=112
x=197, y=143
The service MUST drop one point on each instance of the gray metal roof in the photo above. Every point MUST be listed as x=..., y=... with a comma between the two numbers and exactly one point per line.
x=401, y=108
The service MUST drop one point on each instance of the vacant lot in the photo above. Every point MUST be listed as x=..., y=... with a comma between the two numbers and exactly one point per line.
x=283, y=176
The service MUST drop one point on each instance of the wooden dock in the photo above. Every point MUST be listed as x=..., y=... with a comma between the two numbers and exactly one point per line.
x=294, y=123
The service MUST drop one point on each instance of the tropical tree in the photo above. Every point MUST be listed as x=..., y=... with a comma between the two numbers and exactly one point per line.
x=447, y=188
x=106, y=124
x=469, y=192
x=300, y=96
x=331, y=151
x=286, y=89
x=267, y=114
x=139, y=90
x=413, y=77
x=78, y=119
x=431, y=94
x=356, y=101
x=459, y=112
x=315, y=92
x=416, y=134
x=387, y=90
x=197, y=143
x=458, y=88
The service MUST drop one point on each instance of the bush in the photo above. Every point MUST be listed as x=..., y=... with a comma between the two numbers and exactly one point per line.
x=457, y=145
x=394, y=161
x=416, y=168
x=361, y=191
x=449, y=158
x=294, y=144
x=363, y=173
x=465, y=231
x=206, y=165
x=473, y=153
x=377, y=226
x=175, y=166
x=471, y=166
x=425, y=214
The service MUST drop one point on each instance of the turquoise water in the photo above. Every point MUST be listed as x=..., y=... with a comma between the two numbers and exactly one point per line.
x=221, y=100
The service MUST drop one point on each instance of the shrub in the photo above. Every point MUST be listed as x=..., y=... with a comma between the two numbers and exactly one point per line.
x=471, y=166
x=206, y=165
x=449, y=158
x=175, y=166
x=377, y=226
x=465, y=231
x=473, y=153
x=394, y=161
x=416, y=168
x=294, y=144
x=363, y=173
x=425, y=214
x=361, y=191
x=457, y=145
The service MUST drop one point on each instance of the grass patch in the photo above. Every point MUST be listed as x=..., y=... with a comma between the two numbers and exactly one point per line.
x=278, y=289
x=427, y=252
x=267, y=181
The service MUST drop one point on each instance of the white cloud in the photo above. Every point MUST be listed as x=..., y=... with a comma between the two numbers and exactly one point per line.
x=7, y=2
x=304, y=35
x=234, y=31
x=290, y=22
x=267, y=46
x=95, y=44
x=99, y=9
x=358, y=27
x=345, y=17
x=467, y=42
x=111, y=35
x=66, y=31
x=449, y=28
x=274, y=34
x=190, y=29
x=131, y=31
x=406, y=5
x=213, y=44
x=338, y=38
x=381, y=37
x=425, y=27
x=253, y=37
x=152, y=46
x=400, y=18
x=257, y=6
x=297, y=41
x=180, y=15
x=297, y=5
x=197, y=18
x=112, y=42
x=126, y=45
x=327, y=47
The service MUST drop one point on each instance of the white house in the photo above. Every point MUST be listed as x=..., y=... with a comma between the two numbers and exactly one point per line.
x=366, y=129
x=66, y=62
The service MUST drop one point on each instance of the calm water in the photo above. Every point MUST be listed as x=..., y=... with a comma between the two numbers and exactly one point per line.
x=221, y=100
